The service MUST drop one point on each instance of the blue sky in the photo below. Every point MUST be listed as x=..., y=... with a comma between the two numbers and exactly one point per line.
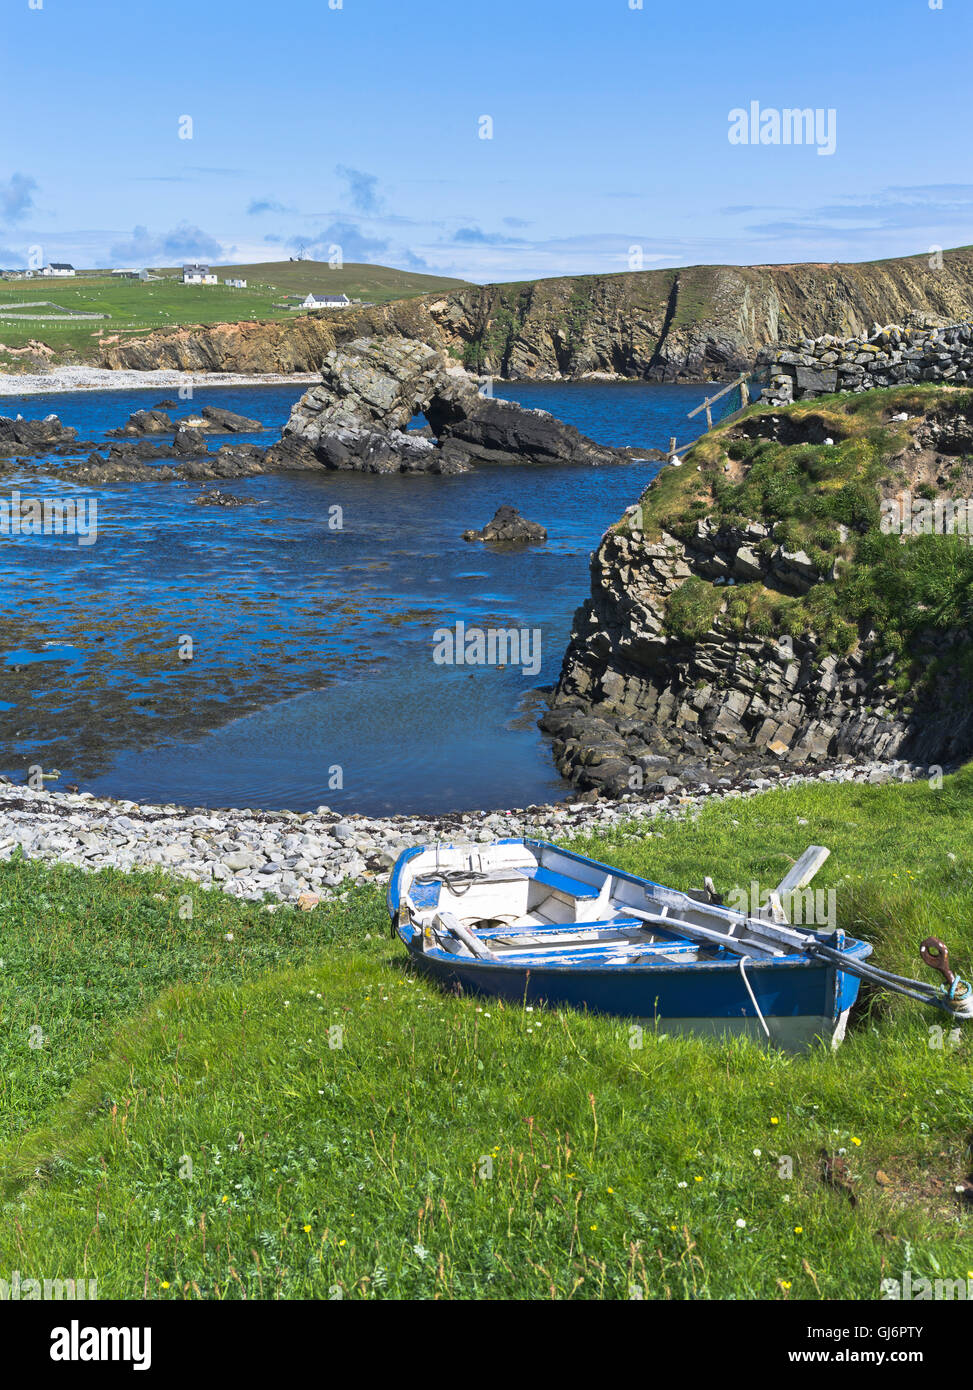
x=359, y=126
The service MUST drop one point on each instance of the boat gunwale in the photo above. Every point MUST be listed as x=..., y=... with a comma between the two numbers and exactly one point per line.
x=854, y=948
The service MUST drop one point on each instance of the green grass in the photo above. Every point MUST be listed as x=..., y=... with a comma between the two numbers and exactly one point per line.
x=188, y=1128
x=135, y=307
x=825, y=500
x=692, y=609
x=378, y=283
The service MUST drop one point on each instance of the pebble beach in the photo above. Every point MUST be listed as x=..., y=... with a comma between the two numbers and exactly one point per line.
x=282, y=856
x=81, y=378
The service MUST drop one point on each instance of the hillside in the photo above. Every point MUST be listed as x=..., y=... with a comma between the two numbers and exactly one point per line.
x=375, y=283
x=699, y=323
x=51, y=321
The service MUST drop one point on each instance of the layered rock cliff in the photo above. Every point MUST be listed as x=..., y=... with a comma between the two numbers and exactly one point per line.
x=698, y=323
x=758, y=607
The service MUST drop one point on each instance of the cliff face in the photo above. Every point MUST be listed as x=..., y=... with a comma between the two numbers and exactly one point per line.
x=298, y=344
x=699, y=323
x=754, y=609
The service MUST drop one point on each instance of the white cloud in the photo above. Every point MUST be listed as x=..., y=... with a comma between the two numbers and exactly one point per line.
x=181, y=243
x=17, y=197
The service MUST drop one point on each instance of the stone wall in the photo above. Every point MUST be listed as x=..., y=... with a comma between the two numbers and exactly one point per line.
x=892, y=356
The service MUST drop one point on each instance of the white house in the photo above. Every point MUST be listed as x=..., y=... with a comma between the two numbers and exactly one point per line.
x=58, y=268
x=236, y=284
x=198, y=275
x=326, y=301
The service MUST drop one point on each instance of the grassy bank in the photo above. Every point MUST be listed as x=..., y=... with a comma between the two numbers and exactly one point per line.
x=47, y=310
x=246, y=1103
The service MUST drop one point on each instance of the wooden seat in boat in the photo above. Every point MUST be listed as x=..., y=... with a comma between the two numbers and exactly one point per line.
x=560, y=883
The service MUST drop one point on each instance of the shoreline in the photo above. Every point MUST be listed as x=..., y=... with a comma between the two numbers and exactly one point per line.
x=78, y=377
x=68, y=379
x=290, y=854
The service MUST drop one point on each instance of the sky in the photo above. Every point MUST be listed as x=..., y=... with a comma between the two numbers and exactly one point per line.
x=485, y=139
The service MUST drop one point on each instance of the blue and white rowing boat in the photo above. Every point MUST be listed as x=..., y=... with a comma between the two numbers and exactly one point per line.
x=529, y=922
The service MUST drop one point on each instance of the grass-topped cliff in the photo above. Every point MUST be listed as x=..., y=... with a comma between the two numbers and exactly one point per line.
x=83, y=319
x=815, y=477
x=755, y=604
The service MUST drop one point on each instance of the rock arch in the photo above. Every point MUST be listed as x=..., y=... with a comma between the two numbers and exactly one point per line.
x=372, y=388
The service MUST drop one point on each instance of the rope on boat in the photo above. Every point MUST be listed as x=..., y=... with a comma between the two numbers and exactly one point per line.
x=956, y=999
x=458, y=881
x=753, y=997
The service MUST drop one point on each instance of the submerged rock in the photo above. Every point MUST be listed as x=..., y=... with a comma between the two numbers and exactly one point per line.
x=133, y=462
x=215, y=498
x=508, y=526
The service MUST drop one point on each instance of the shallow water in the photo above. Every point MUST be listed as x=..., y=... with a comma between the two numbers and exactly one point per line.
x=320, y=641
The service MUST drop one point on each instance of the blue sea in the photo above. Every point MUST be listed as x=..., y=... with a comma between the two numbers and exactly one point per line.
x=320, y=640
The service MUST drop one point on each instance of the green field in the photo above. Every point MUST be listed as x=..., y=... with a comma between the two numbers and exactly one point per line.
x=135, y=307
x=180, y=1119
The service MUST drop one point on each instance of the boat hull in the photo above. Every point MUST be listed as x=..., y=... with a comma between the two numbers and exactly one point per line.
x=810, y=1006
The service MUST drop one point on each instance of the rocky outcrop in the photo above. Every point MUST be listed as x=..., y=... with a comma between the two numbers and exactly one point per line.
x=642, y=701
x=358, y=418
x=892, y=356
x=216, y=420
x=210, y=420
x=508, y=527
x=371, y=390
x=21, y=438
x=143, y=422
x=698, y=323
x=636, y=704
